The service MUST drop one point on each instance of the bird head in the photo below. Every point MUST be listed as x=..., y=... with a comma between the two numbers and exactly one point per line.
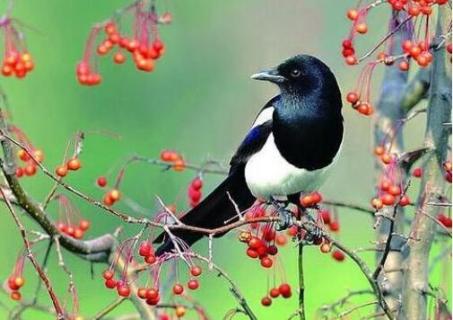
x=299, y=75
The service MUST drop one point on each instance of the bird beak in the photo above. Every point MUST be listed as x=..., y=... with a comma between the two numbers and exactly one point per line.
x=271, y=75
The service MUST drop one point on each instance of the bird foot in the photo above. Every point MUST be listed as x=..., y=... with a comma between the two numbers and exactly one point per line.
x=286, y=217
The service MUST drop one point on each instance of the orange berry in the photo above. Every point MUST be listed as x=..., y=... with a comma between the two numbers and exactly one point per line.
x=38, y=155
x=119, y=58
x=377, y=203
x=23, y=155
x=179, y=165
x=30, y=170
x=180, y=311
x=352, y=14
x=379, y=150
x=325, y=247
x=61, y=171
x=115, y=195
x=74, y=164
x=361, y=28
x=15, y=295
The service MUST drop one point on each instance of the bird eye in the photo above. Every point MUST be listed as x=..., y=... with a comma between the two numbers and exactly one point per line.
x=295, y=73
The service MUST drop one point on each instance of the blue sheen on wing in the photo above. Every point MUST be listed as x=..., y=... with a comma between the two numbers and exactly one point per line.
x=253, y=135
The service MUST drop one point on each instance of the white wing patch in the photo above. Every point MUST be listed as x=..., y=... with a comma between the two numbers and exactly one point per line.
x=268, y=174
x=263, y=116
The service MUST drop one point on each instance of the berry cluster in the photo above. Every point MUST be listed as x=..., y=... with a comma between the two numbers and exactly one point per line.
x=147, y=252
x=194, y=191
x=174, y=158
x=29, y=155
x=359, y=98
x=76, y=231
x=192, y=284
x=415, y=7
x=73, y=164
x=111, y=197
x=416, y=46
x=326, y=217
x=417, y=51
x=17, y=60
x=121, y=286
x=390, y=191
x=30, y=165
x=145, y=46
x=16, y=280
x=310, y=200
x=261, y=239
x=283, y=290
x=70, y=221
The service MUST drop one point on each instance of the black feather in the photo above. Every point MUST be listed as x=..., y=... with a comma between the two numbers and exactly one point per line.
x=213, y=211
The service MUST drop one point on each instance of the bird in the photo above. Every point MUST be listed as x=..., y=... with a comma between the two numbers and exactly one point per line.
x=290, y=148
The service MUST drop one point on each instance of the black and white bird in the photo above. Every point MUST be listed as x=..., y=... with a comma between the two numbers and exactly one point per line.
x=292, y=144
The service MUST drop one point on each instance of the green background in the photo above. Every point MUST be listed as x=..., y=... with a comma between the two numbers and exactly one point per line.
x=200, y=101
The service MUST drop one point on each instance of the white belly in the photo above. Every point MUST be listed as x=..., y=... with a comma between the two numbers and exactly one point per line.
x=268, y=174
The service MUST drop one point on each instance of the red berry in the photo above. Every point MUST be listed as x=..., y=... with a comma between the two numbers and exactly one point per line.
x=388, y=199
x=274, y=292
x=252, y=253
x=108, y=274
x=352, y=97
x=404, y=201
x=110, y=283
x=266, y=262
x=325, y=216
x=272, y=250
x=193, y=284
x=255, y=243
x=84, y=225
x=417, y=172
x=334, y=226
x=394, y=190
x=178, y=289
x=338, y=255
x=150, y=259
x=101, y=181
x=195, y=271
x=285, y=290
x=197, y=184
x=266, y=301
x=281, y=240
x=444, y=220
x=124, y=290
x=152, y=294
x=145, y=249
x=19, y=172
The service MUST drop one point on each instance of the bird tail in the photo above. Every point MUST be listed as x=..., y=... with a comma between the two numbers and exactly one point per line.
x=213, y=211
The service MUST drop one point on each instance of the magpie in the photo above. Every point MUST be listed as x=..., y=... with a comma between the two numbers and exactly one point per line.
x=292, y=144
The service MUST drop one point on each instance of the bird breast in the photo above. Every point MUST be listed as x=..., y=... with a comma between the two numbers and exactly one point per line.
x=268, y=174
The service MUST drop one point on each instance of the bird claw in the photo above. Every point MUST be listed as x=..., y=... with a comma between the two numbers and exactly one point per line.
x=286, y=216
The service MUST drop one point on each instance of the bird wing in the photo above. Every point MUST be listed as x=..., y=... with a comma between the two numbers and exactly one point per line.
x=256, y=137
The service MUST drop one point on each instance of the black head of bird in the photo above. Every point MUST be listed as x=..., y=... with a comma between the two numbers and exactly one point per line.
x=302, y=76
